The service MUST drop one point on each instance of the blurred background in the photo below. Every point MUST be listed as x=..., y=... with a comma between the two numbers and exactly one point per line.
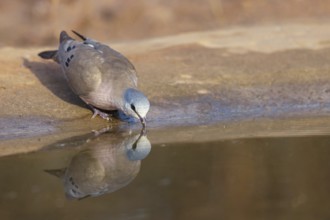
x=25, y=23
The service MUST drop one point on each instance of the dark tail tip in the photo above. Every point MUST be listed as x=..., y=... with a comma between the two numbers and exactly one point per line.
x=49, y=54
x=79, y=35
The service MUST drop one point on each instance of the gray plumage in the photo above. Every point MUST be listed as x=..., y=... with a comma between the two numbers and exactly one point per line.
x=102, y=77
x=105, y=165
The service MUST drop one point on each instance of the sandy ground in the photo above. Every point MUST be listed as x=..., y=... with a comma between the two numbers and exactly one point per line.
x=232, y=76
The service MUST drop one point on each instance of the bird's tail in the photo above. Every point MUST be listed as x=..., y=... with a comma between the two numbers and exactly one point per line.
x=49, y=54
x=64, y=36
x=53, y=54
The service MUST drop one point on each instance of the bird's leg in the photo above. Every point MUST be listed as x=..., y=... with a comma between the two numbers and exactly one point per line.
x=101, y=131
x=97, y=112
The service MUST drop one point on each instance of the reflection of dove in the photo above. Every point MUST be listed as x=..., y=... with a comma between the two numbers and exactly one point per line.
x=100, y=76
x=109, y=163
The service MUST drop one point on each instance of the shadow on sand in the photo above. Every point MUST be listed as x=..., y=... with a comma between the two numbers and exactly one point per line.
x=50, y=75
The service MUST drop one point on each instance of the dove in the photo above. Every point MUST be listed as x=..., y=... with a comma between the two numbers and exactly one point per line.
x=106, y=164
x=102, y=77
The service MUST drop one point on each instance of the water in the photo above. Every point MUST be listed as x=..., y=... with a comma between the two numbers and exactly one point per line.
x=247, y=178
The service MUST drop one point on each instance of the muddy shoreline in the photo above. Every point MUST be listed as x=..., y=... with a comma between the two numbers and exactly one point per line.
x=255, y=80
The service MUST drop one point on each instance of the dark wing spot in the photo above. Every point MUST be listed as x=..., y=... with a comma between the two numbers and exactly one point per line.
x=74, y=46
x=66, y=64
x=68, y=49
x=71, y=56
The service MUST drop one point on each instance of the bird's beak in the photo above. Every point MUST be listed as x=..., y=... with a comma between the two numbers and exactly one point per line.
x=143, y=122
x=142, y=133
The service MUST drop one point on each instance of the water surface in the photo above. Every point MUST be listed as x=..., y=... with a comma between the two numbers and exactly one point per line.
x=255, y=178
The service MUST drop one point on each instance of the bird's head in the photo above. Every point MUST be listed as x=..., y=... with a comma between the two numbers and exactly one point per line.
x=136, y=104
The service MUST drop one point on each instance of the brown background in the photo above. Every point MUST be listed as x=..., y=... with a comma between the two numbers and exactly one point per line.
x=38, y=22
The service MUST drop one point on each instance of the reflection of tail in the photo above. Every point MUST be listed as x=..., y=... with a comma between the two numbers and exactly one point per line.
x=57, y=172
x=49, y=54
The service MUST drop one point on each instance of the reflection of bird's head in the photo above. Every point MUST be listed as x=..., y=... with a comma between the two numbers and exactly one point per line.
x=139, y=149
x=136, y=104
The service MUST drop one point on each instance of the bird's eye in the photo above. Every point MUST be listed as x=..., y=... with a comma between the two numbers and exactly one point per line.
x=132, y=107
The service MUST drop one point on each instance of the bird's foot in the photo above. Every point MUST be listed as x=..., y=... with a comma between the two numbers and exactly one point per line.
x=103, y=115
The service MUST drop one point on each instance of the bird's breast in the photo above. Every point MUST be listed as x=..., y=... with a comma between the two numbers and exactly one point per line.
x=102, y=98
